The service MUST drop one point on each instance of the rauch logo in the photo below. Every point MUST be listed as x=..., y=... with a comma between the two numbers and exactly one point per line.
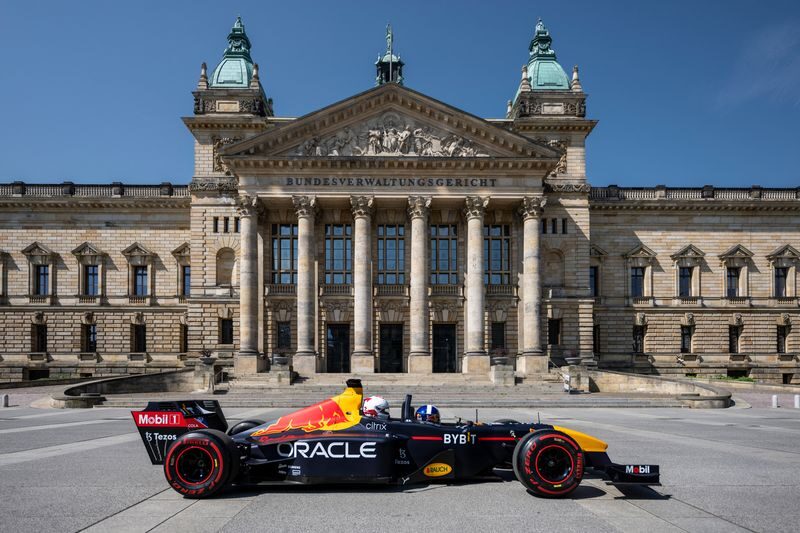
x=437, y=470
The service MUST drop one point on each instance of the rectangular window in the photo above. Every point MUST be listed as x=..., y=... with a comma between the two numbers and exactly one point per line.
x=39, y=338
x=554, y=331
x=498, y=336
x=637, y=282
x=444, y=255
x=339, y=254
x=734, y=333
x=783, y=334
x=283, y=334
x=553, y=226
x=594, y=286
x=226, y=331
x=139, y=340
x=89, y=338
x=140, y=281
x=216, y=224
x=564, y=226
x=41, y=280
x=225, y=225
x=391, y=255
x=184, y=338
x=596, y=339
x=496, y=254
x=284, y=254
x=186, y=279
x=544, y=226
x=91, y=280
x=686, y=338
x=732, y=288
x=236, y=224
x=685, y=281
x=781, y=273
x=638, y=339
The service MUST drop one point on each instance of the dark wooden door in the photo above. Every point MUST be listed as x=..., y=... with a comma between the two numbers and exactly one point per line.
x=338, y=348
x=444, y=348
x=391, y=348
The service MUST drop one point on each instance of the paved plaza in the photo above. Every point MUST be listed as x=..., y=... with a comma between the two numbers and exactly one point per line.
x=722, y=470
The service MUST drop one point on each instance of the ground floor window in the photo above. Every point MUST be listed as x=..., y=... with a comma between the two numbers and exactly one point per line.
x=783, y=333
x=283, y=336
x=638, y=339
x=498, y=338
x=596, y=339
x=39, y=338
x=686, y=338
x=554, y=331
x=184, y=338
x=138, y=338
x=734, y=334
x=226, y=331
x=89, y=338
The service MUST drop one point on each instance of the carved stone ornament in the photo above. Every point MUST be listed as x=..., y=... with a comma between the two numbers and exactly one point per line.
x=736, y=320
x=561, y=146
x=476, y=206
x=248, y=206
x=419, y=206
x=362, y=205
x=337, y=311
x=532, y=207
x=551, y=186
x=218, y=143
x=390, y=135
x=88, y=318
x=214, y=184
x=39, y=318
x=138, y=319
x=785, y=319
x=688, y=319
x=444, y=312
x=225, y=312
x=184, y=319
x=641, y=319
x=305, y=206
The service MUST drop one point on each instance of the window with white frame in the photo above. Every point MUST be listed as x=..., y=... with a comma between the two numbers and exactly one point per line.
x=736, y=263
x=41, y=270
x=783, y=264
x=688, y=262
x=91, y=268
x=639, y=262
x=140, y=270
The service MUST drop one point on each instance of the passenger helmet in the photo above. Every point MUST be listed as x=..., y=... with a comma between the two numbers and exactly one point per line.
x=376, y=406
x=428, y=413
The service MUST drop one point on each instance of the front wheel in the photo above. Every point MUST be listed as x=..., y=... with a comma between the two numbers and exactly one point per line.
x=549, y=463
x=200, y=463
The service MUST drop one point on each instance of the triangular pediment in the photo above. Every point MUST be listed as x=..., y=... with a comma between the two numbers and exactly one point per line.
x=689, y=251
x=596, y=251
x=640, y=251
x=87, y=249
x=182, y=251
x=37, y=248
x=736, y=252
x=136, y=249
x=786, y=251
x=389, y=121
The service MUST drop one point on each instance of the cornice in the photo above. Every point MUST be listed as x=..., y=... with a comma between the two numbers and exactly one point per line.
x=692, y=205
x=217, y=122
x=95, y=203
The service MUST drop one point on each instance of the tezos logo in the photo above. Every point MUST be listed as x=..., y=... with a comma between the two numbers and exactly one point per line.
x=330, y=450
x=634, y=469
x=375, y=426
x=158, y=419
x=437, y=470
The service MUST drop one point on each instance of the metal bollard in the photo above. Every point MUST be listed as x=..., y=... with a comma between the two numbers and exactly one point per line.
x=774, y=401
x=797, y=401
x=4, y=400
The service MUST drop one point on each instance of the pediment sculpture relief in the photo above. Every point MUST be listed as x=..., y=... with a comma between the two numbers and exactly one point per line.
x=390, y=135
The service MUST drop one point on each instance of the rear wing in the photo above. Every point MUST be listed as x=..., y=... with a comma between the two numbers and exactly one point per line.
x=161, y=423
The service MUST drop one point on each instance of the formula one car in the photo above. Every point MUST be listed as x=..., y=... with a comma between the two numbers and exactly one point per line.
x=332, y=442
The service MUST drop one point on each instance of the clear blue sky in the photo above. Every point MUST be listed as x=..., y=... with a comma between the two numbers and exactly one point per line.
x=687, y=92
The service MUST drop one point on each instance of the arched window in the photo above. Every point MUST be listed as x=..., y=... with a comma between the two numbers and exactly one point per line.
x=553, y=269
x=226, y=258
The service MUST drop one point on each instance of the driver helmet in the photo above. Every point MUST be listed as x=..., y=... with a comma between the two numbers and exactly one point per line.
x=428, y=413
x=376, y=406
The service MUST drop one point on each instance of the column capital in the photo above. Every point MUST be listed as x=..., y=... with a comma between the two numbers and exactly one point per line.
x=476, y=206
x=532, y=207
x=305, y=206
x=419, y=206
x=248, y=205
x=362, y=205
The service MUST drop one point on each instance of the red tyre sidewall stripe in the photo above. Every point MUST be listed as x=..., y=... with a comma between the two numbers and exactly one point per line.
x=186, y=490
x=571, y=463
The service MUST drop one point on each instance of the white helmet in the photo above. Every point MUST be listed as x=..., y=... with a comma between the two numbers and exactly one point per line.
x=376, y=406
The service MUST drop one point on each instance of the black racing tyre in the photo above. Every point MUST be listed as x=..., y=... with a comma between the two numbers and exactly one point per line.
x=548, y=463
x=244, y=425
x=201, y=463
x=506, y=421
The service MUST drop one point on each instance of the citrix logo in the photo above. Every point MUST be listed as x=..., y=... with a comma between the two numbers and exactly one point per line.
x=330, y=450
x=375, y=426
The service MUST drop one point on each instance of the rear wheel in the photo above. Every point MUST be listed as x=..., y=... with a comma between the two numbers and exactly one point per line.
x=200, y=463
x=549, y=463
x=244, y=425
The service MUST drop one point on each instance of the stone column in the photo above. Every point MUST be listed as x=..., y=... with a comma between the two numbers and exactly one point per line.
x=533, y=360
x=419, y=357
x=476, y=361
x=363, y=359
x=305, y=359
x=248, y=360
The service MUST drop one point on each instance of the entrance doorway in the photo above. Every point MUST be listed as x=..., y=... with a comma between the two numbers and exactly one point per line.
x=338, y=353
x=391, y=348
x=444, y=348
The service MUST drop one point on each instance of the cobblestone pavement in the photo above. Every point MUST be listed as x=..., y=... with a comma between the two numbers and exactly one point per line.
x=722, y=470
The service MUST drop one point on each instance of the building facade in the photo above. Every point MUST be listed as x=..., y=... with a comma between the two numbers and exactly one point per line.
x=390, y=232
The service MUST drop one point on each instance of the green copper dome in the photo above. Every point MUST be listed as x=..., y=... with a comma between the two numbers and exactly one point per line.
x=236, y=67
x=544, y=72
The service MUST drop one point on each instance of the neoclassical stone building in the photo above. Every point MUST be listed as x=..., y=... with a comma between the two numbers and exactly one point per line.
x=391, y=232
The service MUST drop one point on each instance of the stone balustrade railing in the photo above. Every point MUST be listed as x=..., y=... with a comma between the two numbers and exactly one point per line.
x=19, y=189
x=661, y=192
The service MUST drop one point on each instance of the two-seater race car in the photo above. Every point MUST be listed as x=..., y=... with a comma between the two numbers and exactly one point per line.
x=333, y=442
